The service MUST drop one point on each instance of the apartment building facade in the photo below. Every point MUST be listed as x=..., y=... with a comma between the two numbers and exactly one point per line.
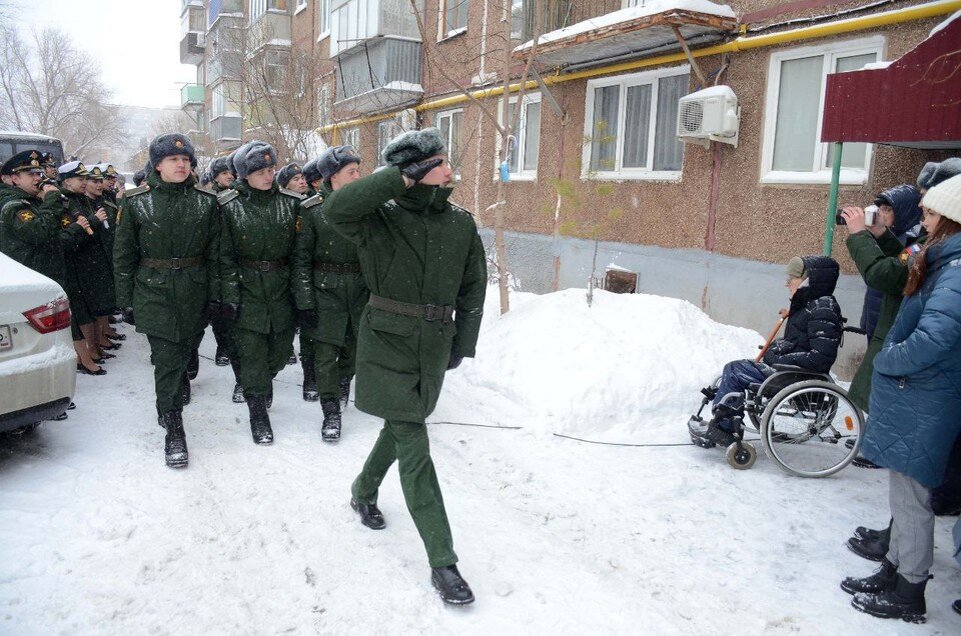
x=594, y=153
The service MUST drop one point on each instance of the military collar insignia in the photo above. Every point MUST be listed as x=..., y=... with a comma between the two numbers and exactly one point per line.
x=227, y=196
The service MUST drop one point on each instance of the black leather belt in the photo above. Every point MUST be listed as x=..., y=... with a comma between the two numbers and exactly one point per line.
x=337, y=268
x=172, y=263
x=430, y=313
x=264, y=266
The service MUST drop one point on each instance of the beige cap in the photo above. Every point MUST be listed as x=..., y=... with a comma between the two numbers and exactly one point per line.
x=795, y=268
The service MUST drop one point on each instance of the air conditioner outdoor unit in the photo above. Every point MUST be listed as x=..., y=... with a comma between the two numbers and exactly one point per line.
x=709, y=115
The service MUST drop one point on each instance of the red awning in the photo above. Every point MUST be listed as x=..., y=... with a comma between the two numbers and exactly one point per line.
x=914, y=102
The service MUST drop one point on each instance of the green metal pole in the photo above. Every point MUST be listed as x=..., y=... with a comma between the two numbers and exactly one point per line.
x=833, y=198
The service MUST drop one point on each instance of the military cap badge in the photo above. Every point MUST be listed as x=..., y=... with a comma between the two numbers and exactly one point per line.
x=179, y=144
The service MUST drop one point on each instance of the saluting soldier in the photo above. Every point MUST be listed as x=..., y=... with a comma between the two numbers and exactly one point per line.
x=292, y=177
x=259, y=222
x=424, y=265
x=329, y=289
x=167, y=276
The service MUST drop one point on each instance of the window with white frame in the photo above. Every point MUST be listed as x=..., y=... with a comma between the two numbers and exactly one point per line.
x=301, y=5
x=525, y=137
x=351, y=137
x=792, y=151
x=627, y=4
x=630, y=125
x=449, y=123
x=323, y=19
x=352, y=21
x=259, y=7
x=452, y=18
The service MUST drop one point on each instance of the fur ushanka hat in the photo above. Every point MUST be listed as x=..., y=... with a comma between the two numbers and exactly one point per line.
x=413, y=146
x=934, y=172
x=257, y=155
x=169, y=145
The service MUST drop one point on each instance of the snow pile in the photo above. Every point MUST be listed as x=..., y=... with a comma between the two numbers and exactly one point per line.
x=644, y=9
x=629, y=363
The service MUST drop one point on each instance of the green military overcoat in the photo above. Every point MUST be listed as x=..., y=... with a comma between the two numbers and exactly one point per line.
x=165, y=221
x=414, y=247
x=338, y=297
x=258, y=226
x=30, y=232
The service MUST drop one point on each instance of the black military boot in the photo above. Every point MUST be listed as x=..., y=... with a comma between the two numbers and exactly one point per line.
x=330, y=431
x=193, y=367
x=344, y=392
x=883, y=579
x=221, y=359
x=270, y=395
x=175, y=443
x=310, y=378
x=451, y=585
x=238, y=395
x=185, y=390
x=259, y=420
x=904, y=600
x=370, y=514
x=872, y=549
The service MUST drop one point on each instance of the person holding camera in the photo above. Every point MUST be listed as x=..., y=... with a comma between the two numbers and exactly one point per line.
x=882, y=260
x=915, y=404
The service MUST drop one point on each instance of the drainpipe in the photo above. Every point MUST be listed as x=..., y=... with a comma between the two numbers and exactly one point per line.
x=833, y=198
x=742, y=43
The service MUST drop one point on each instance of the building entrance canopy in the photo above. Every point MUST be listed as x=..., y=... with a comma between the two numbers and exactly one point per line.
x=656, y=27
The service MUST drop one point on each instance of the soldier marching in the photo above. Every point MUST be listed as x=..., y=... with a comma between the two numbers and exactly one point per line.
x=383, y=275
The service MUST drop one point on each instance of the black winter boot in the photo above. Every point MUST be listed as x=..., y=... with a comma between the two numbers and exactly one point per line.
x=238, y=396
x=270, y=395
x=871, y=549
x=175, y=443
x=330, y=431
x=883, y=579
x=904, y=600
x=185, y=390
x=221, y=359
x=259, y=420
x=370, y=514
x=862, y=532
x=310, y=378
x=193, y=367
x=344, y=392
x=451, y=585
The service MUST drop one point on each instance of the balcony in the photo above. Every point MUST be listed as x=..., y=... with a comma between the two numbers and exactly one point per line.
x=226, y=41
x=192, y=98
x=226, y=129
x=353, y=22
x=382, y=75
x=272, y=29
x=192, y=48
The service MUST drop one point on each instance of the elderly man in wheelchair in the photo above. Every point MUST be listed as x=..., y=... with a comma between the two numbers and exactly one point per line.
x=801, y=360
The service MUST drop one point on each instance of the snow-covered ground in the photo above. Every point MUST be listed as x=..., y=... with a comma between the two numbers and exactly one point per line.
x=554, y=535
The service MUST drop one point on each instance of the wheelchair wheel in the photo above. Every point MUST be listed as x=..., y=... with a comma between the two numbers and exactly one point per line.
x=741, y=458
x=805, y=428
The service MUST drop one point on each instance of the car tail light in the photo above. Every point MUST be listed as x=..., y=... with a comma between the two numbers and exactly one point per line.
x=50, y=317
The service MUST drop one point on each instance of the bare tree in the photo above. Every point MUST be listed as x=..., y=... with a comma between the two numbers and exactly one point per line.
x=47, y=86
x=505, y=123
x=281, y=106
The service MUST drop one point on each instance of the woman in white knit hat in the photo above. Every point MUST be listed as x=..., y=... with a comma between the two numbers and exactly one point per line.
x=915, y=406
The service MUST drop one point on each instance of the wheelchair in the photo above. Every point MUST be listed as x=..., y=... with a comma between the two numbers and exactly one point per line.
x=807, y=424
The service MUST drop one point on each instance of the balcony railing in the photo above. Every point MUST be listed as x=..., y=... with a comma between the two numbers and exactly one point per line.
x=226, y=128
x=354, y=21
x=385, y=74
x=192, y=97
x=192, y=48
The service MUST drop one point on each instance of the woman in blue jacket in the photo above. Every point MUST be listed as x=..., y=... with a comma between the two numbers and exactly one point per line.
x=915, y=407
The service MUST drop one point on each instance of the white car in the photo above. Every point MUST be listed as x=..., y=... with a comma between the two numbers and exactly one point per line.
x=38, y=365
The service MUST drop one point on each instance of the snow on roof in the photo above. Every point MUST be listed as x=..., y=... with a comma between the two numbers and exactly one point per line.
x=954, y=16
x=874, y=66
x=646, y=8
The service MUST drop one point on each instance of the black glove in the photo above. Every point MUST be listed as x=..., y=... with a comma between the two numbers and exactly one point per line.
x=211, y=309
x=454, y=362
x=307, y=318
x=127, y=316
x=416, y=171
x=229, y=312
